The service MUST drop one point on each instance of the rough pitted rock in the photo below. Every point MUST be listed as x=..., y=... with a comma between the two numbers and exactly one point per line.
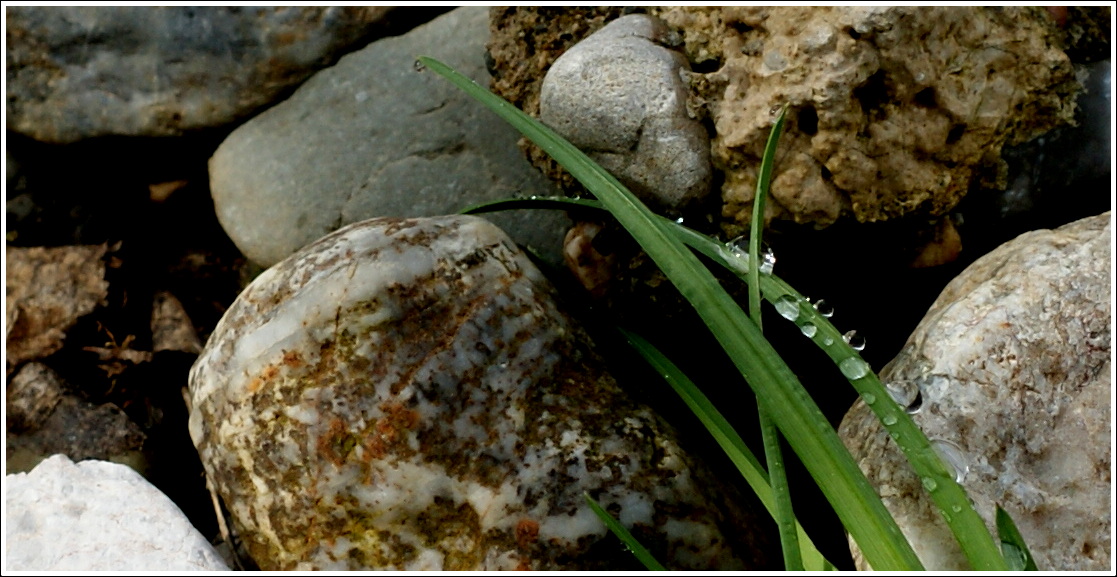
x=97, y=516
x=618, y=95
x=79, y=72
x=404, y=394
x=892, y=108
x=373, y=137
x=1014, y=364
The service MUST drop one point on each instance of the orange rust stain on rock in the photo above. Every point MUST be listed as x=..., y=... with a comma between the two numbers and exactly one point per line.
x=292, y=359
x=333, y=445
x=527, y=532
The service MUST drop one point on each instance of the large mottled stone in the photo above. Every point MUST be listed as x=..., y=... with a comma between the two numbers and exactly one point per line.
x=373, y=137
x=80, y=71
x=404, y=394
x=97, y=516
x=619, y=96
x=1013, y=367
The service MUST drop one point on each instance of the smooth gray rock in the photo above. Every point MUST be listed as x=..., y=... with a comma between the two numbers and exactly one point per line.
x=97, y=516
x=1013, y=369
x=618, y=96
x=78, y=72
x=372, y=136
x=405, y=394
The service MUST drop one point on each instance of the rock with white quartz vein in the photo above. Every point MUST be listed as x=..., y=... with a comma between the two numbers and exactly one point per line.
x=1010, y=371
x=404, y=394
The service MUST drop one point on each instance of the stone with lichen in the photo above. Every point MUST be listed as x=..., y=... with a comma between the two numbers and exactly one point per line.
x=405, y=394
x=1010, y=371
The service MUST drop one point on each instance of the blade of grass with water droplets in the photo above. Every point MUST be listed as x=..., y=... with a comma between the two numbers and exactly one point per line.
x=791, y=407
x=1015, y=550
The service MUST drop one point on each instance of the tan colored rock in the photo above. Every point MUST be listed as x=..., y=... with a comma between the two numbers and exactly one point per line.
x=48, y=289
x=1013, y=364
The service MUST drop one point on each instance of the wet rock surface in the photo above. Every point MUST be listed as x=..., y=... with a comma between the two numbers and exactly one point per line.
x=164, y=71
x=1012, y=368
x=97, y=516
x=373, y=137
x=619, y=96
x=404, y=394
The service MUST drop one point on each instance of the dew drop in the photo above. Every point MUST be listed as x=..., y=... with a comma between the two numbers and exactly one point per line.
x=854, y=368
x=952, y=457
x=809, y=330
x=906, y=394
x=930, y=484
x=419, y=66
x=956, y=508
x=889, y=420
x=767, y=261
x=827, y=341
x=824, y=308
x=679, y=220
x=869, y=398
x=854, y=340
x=788, y=307
x=895, y=435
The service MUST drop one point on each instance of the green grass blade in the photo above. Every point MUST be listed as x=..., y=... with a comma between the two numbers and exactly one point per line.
x=1015, y=550
x=791, y=407
x=629, y=541
x=784, y=515
x=729, y=441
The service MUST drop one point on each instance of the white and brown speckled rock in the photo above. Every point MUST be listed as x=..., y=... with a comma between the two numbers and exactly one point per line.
x=404, y=394
x=1014, y=364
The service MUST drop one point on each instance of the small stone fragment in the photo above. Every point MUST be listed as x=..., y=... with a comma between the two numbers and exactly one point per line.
x=405, y=394
x=31, y=396
x=48, y=289
x=171, y=328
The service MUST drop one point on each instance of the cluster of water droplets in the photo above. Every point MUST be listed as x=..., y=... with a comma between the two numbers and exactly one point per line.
x=739, y=247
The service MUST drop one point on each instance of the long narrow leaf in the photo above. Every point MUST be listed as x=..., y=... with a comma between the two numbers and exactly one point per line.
x=622, y=533
x=792, y=408
x=728, y=439
x=1015, y=550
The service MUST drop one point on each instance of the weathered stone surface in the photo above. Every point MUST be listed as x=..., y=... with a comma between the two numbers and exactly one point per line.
x=404, y=394
x=1013, y=363
x=48, y=289
x=97, y=516
x=373, y=137
x=78, y=72
x=31, y=396
x=892, y=108
x=618, y=95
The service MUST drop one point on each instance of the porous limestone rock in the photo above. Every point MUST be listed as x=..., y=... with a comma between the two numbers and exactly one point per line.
x=84, y=71
x=892, y=109
x=97, y=516
x=373, y=136
x=618, y=96
x=1011, y=369
x=404, y=394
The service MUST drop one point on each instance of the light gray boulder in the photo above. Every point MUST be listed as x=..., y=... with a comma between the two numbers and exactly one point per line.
x=97, y=516
x=618, y=96
x=372, y=136
x=83, y=71
x=1011, y=372
x=405, y=394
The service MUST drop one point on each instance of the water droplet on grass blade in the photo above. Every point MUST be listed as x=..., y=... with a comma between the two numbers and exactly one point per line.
x=767, y=261
x=679, y=220
x=854, y=368
x=906, y=394
x=869, y=398
x=930, y=484
x=788, y=307
x=809, y=330
x=854, y=340
x=889, y=420
x=827, y=341
x=419, y=66
x=953, y=458
x=824, y=308
x=956, y=508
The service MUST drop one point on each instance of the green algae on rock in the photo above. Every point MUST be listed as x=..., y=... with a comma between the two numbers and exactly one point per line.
x=405, y=394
